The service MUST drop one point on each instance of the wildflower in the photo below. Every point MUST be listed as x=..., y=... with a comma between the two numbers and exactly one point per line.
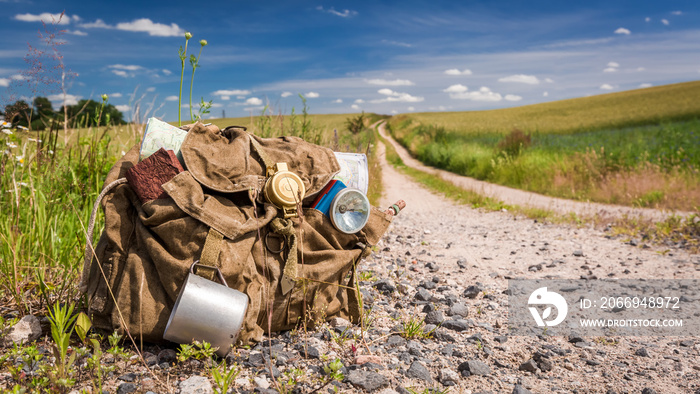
x=20, y=159
x=33, y=140
x=50, y=152
x=105, y=97
x=188, y=35
x=5, y=124
x=22, y=127
x=25, y=184
x=203, y=43
x=7, y=131
x=10, y=144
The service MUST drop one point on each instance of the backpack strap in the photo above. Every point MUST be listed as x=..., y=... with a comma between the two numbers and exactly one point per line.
x=210, y=254
x=89, y=249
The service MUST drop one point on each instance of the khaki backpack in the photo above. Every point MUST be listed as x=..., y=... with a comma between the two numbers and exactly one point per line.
x=215, y=212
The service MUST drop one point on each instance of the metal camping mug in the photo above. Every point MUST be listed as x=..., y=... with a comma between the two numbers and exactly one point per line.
x=207, y=311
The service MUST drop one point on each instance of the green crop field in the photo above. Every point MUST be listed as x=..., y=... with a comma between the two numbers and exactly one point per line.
x=638, y=148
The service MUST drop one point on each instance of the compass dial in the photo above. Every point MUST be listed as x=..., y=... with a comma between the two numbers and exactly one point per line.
x=350, y=210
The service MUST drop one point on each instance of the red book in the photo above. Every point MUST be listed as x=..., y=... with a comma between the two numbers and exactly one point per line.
x=147, y=176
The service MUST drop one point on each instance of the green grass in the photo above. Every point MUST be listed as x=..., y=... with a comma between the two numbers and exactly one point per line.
x=606, y=111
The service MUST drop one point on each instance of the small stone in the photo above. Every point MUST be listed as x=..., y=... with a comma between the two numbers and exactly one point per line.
x=518, y=389
x=339, y=322
x=472, y=291
x=367, y=358
x=196, y=385
x=578, y=253
x=528, y=366
x=500, y=338
x=642, y=352
x=455, y=325
x=367, y=297
x=167, y=356
x=545, y=364
x=129, y=377
x=458, y=309
x=418, y=371
x=150, y=358
x=462, y=263
x=687, y=343
x=385, y=286
x=395, y=340
x=125, y=388
x=448, y=377
x=256, y=359
x=593, y=363
x=434, y=317
x=367, y=380
x=261, y=382
x=423, y=295
x=648, y=390
x=27, y=329
x=474, y=367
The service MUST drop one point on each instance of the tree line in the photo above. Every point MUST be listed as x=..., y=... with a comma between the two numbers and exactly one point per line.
x=40, y=114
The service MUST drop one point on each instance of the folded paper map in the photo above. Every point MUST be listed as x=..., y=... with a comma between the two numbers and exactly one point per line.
x=353, y=170
x=159, y=134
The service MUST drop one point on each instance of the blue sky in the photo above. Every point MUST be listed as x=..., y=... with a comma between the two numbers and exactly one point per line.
x=347, y=56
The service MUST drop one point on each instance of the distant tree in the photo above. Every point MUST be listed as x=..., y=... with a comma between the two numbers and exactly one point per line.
x=18, y=113
x=84, y=113
x=43, y=113
x=356, y=124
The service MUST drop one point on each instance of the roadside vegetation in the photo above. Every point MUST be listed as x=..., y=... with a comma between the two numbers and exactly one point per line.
x=631, y=148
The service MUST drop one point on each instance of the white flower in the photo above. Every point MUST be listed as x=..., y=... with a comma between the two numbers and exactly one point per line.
x=22, y=127
x=7, y=131
x=33, y=140
x=10, y=144
x=50, y=152
x=5, y=124
x=20, y=159
x=23, y=184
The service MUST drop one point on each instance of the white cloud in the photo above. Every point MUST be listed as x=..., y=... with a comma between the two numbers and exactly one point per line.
x=58, y=100
x=483, y=94
x=225, y=98
x=645, y=85
x=153, y=29
x=115, y=95
x=311, y=95
x=647, y=19
x=397, y=43
x=606, y=86
x=549, y=80
x=454, y=71
x=99, y=23
x=128, y=67
x=236, y=92
x=395, y=82
x=45, y=17
x=286, y=94
x=411, y=109
x=665, y=22
x=171, y=98
x=512, y=97
x=622, y=30
x=676, y=12
x=18, y=77
x=166, y=71
x=459, y=88
x=641, y=68
x=355, y=107
x=397, y=97
x=123, y=108
x=76, y=32
x=521, y=78
x=360, y=101
x=343, y=14
x=545, y=94
x=338, y=101
x=151, y=89
x=253, y=101
x=613, y=64
x=121, y=73
x=609, y=70
x=4, y=82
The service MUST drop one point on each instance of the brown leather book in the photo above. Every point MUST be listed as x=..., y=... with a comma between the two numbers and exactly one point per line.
x=147, y=176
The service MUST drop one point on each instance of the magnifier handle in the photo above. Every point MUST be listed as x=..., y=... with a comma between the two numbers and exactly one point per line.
x=396, y=208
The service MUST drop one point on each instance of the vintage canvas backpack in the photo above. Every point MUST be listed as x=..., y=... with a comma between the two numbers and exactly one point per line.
x=215, y=212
